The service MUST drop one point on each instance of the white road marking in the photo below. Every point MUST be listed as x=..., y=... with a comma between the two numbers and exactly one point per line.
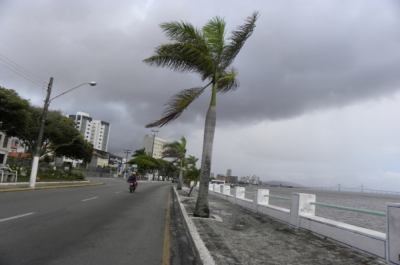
x=89, y=199
x=14, y=217
x=118, y=191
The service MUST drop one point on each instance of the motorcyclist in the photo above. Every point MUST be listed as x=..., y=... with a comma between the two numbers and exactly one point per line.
x=133, y=179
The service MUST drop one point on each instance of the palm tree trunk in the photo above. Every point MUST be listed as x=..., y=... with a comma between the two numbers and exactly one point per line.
x=202, y=209
x=180, y=179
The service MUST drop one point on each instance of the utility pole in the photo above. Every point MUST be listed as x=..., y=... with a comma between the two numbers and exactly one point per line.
x=35, y=161
x=127, y=152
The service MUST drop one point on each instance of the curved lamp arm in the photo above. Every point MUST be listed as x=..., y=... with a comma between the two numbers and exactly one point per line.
x=91, y=83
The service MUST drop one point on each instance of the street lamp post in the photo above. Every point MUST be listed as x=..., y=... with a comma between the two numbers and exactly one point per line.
x=35, y=162
x=152, y=150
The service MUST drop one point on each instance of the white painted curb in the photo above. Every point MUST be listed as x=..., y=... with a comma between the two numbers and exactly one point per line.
x=204, y=254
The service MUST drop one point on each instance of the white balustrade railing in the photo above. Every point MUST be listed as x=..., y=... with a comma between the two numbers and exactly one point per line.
x=301, y=215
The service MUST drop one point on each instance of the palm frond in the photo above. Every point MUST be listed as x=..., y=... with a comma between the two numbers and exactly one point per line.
x=182, y=32
x=238, y=38
x=183, y=57
x=214, y=34
x=183, y=144
x=228, y=81
x=175, y=149
x=177, y=104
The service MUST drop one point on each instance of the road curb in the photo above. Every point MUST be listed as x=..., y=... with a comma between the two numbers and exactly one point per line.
x=202, y=252
x=53, y=187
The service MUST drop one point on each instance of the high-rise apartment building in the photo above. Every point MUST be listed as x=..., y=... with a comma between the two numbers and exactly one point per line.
x=95, y=131
x=229, y=172
x=149, y=142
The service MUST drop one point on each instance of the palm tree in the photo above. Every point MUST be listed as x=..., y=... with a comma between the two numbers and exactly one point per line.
x=192, y=174
x=209, y=54
x=139, y=152
x=176, y=150
x=191, y=161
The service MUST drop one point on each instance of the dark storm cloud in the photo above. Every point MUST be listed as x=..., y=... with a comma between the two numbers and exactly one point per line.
x=303, y=56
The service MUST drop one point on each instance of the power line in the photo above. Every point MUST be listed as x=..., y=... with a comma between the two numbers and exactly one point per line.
x=22, y=71
x=38, y=78
x=40, y=85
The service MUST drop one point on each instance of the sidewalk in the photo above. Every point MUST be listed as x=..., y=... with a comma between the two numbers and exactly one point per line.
x=237, y=236
x=24, y=186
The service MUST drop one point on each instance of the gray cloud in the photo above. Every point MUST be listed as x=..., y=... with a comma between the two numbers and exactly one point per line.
x=303, y=57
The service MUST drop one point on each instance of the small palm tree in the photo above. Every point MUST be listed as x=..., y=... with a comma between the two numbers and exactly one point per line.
x=209, y=54
x=191, y=161
x=139, y=152
x=176, y=150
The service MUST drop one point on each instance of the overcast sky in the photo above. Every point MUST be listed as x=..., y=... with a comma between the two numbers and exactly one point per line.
x=319, y=96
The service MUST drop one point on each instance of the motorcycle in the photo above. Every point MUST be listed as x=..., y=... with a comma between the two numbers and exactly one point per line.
x=132, y=186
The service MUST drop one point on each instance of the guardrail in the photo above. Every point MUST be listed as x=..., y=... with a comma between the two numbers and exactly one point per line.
x=349, y=209
x=278, y=197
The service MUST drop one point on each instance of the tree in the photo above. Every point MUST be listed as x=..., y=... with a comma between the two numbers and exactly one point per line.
x=163, y=167
x=60, y=135
x=144, y=163
x=209, y=54
x=176, y=150
x=192, y=174
x=14, y=111
x=191, y=161
x=79, y=148
x=139, y=152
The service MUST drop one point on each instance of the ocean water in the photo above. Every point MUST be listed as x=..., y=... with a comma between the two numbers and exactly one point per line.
x=365, y=201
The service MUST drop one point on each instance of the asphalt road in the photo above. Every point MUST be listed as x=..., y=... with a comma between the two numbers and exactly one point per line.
x=87, y=225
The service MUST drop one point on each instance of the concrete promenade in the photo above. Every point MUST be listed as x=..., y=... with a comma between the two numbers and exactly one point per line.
x=235, y=235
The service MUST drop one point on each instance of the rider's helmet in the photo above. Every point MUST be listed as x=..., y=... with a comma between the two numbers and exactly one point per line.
x=133, y=173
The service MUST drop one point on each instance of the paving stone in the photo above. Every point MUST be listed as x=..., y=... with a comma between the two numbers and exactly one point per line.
x=244, y=237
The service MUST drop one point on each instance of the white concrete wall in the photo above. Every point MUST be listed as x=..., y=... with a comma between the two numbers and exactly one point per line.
x=368, y=241
x=302, y=215
x=393, y=232
x=275, y=212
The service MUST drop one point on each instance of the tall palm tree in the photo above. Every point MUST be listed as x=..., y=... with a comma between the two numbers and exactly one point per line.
x=209, y=54
x=176, y=150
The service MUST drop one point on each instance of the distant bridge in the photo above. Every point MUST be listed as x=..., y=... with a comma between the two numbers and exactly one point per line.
x=360, y=188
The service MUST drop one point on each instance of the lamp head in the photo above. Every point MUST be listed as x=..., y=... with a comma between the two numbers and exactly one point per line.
x=93, y=83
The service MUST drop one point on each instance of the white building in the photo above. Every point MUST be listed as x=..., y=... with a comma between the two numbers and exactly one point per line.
x=251, y=179
x=5, y=146
x=149, y=140
x=95, y=131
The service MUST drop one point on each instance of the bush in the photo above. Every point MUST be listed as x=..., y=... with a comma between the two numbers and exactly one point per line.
x=51, y=174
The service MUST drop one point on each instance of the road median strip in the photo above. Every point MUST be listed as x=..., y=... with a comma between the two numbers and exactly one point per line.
x=50, y=186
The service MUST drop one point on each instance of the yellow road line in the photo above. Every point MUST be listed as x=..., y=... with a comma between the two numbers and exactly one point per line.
x=166, y=232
